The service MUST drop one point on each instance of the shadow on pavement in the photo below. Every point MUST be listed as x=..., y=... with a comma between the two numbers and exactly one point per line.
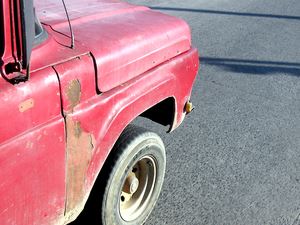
x=91, y=214
x=228, y=13
x=253, y=66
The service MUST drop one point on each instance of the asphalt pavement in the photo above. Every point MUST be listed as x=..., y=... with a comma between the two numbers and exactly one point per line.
x=236, y=158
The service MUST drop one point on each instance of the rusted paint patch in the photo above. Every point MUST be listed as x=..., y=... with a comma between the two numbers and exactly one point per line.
x=80, y=146
x=28, y=104
x=74, y=93
x=77, y=129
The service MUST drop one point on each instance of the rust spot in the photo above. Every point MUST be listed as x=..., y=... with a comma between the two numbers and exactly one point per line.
x=80, y=145
x=74, y=93
x=28, y=104
x=77, y=129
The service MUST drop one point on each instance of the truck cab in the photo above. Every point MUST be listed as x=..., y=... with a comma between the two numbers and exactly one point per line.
x=74, y=76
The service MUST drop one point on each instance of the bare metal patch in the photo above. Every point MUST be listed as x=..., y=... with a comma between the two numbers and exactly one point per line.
x=80, y=145
x=74, y=93
x=28, y=104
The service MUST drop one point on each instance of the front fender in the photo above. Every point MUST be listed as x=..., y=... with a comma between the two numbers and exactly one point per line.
x=97, y=122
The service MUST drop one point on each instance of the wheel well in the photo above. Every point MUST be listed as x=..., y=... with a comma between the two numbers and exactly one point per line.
x=162, y=113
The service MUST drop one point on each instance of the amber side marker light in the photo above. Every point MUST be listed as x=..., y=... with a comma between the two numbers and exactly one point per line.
x=188, y=107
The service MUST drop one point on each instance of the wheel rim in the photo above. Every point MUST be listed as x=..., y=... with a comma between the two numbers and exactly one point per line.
x=137, y=188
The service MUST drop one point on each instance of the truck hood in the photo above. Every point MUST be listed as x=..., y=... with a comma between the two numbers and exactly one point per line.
x=125, y=40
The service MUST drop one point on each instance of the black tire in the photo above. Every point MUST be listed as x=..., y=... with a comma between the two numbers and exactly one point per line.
x=137, y=155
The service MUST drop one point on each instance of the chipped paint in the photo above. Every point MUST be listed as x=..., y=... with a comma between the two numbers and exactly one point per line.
x=80, y=145
x=29, y=145
x=26, y=105
x=73, y=93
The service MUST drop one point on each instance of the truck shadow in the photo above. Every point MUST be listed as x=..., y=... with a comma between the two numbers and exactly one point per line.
x=91, y=214
x=255, y=67
x=230, y=13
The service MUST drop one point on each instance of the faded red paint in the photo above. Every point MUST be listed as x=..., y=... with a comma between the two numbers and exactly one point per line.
x=58, y=127
x=126, y=40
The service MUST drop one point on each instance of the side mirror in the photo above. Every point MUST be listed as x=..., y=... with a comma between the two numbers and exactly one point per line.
x=28, y=32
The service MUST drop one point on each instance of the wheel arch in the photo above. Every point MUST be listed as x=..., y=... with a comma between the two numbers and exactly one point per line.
x=162, y=113
x=166, y=108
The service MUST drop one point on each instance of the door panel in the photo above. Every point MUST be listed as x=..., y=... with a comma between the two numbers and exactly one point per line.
x=32, y=151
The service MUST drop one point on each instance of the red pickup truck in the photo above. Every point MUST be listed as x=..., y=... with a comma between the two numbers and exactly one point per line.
x=73, y=79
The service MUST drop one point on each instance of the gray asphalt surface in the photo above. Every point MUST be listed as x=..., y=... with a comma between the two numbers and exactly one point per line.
x=236, y=158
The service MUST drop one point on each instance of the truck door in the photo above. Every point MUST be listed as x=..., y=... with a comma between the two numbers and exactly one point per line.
x=32, y=135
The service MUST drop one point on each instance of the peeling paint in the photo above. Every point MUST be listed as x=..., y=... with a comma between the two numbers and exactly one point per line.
x=73, y=93
x=80, y=145
x=28, y=104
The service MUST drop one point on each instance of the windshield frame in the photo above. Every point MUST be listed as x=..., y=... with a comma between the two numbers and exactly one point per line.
x=2, y=37
x=40, y=33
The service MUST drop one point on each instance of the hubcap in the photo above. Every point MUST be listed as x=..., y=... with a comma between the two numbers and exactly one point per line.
x=131, y=184
x=137, y=188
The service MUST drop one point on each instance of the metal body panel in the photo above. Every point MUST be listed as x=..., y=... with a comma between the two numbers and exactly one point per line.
x=125, y=40
x=94, y=122
x=58, y=128
x=78, y=86
x=32, y=151
x=123, y=104
x=102, y=118
x=24, y=105
x=54, y=50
